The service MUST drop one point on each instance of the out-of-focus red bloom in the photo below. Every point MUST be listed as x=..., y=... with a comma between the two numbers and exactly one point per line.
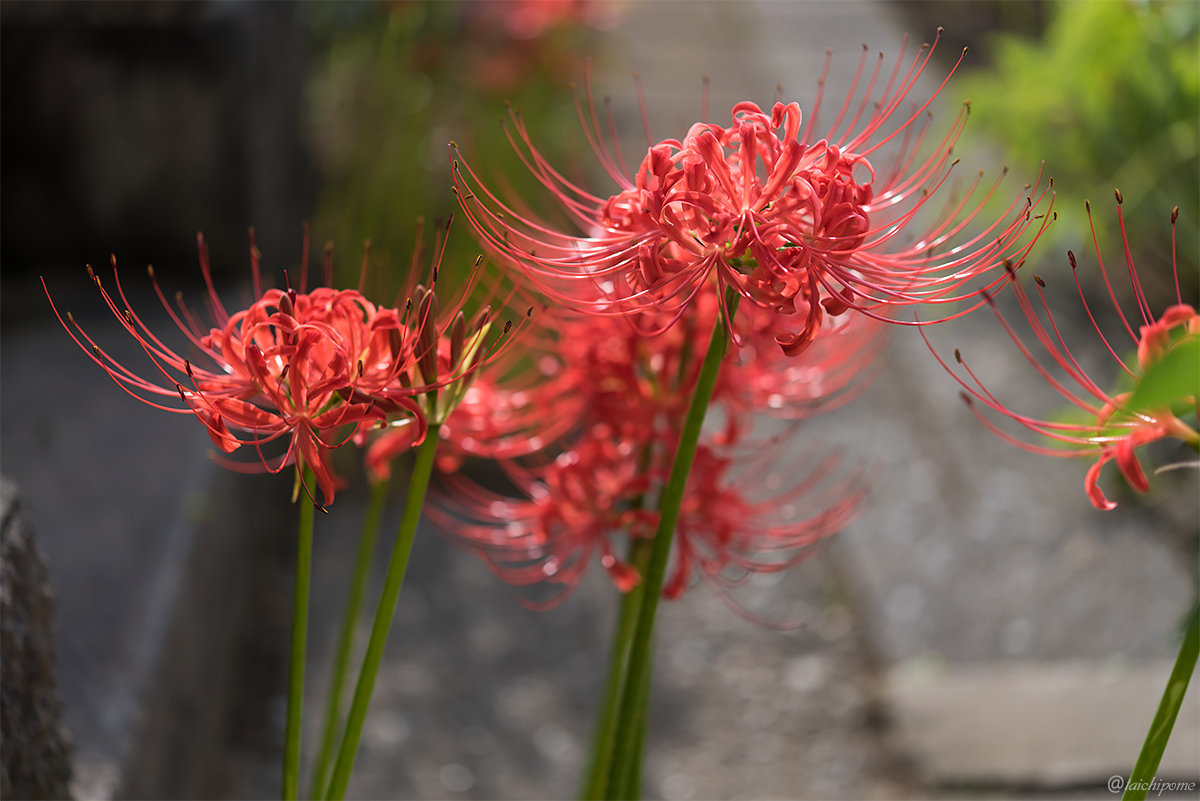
x=796, y=225
x=442, y=352
x=574, y=505
x=730, y=527
x=579, y=503
x=529, y=19
x=294, y=364
x=611, y=415
x=1118, y=430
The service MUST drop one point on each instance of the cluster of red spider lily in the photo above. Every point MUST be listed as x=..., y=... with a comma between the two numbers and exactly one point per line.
x=801, y=227
x=1119, y=428
x=588, y=446
x=317, y=368
x=818, y=247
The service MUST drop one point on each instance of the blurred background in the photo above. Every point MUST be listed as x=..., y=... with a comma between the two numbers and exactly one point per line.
x=980, y=631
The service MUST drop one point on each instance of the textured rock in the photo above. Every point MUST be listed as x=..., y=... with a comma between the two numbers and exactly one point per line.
x=36, y=755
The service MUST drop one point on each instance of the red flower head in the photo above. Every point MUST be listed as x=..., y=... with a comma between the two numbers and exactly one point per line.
x=574, y=504
x=1122, y=423
x=732, y=527
x=429, y=359
x=611, y=412
x=294, y=364
x=796, y=225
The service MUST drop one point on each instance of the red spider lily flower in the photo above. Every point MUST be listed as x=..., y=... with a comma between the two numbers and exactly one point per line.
x=291, y=366
x=596, y=369
x=574, y=505
x=430, y=359
x=614, y=405
x=795, y=225
x=838, y=365
x=730, y=527
x=1118, y=429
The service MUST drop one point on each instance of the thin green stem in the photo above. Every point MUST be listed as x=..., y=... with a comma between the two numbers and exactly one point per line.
x=422, y=469
x=295, y=696
x=633, y=786
x=596, y=785
x=637, y=678
x=358, y=585
x=1164, y=719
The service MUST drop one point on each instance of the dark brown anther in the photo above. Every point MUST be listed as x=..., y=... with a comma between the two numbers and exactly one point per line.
x=529, y=313
x=1087, y=204
x=1040, y=282
x=1117, y=193
x=1071, y=258
x=1008, y=268
x=955, y=162
x=458, y=338
x=1055, y=216
x=360, y=368
x=129, y=317
x=1039, y=216
x=95, y=350
x=1174, y=215
x=283, y=373
x=957, y=356
x=965, y=398
x=70, y=319
x=182, y=397
x=1029, y=202
x=507, y=327
x=91, y=272
x=187, y=366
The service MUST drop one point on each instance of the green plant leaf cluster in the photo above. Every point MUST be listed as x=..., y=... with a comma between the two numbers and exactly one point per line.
x=1109, y=98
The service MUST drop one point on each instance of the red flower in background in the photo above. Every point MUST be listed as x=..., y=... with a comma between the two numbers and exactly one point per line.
x=585, y=447
x=795, y=225
x=294, y=365
x=1118, y=429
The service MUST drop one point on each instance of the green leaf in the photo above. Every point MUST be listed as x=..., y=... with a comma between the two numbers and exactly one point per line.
x=1173, y=377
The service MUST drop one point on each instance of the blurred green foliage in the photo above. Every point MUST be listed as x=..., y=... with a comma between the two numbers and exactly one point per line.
x=394, y=83
x=1108, y=98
